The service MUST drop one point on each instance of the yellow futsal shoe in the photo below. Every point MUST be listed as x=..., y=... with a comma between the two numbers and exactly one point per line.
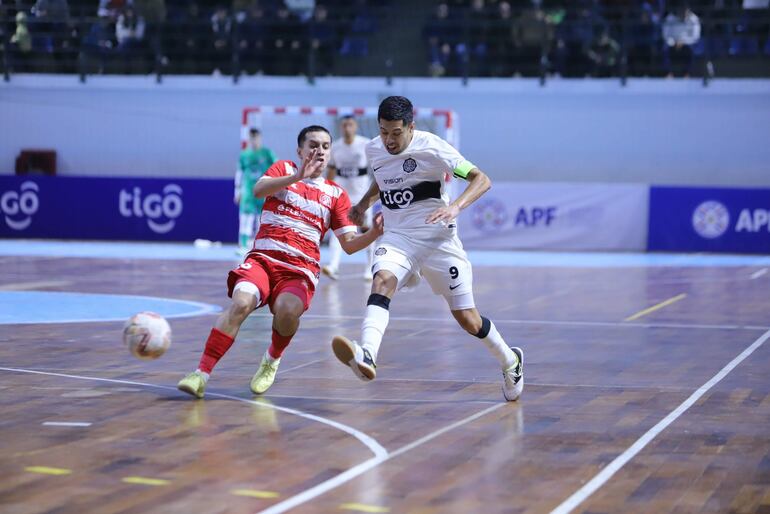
x=265, y=375
x=194, y=384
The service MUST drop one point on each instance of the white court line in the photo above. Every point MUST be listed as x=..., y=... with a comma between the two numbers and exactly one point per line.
x=299, y=366
x=758, y=274
x=546, y=322
x=362, y=468
x=613, y=467
x=368, y=441
x=66, y=424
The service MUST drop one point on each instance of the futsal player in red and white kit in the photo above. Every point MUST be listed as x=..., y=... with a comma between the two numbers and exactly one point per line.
x=421, y=239
x=282, y=268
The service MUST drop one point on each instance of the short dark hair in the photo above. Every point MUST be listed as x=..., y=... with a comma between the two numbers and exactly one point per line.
x=254, y=131
x=395, y=108
x=347, y=117
x=310, y=128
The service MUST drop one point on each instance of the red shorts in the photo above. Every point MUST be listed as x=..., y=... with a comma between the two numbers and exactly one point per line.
x=271, y=279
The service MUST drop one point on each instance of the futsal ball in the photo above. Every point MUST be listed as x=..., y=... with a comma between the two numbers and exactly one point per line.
x=147, y=335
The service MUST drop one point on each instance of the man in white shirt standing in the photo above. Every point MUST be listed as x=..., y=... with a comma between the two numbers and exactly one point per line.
x=420, y=239
x=349, y=168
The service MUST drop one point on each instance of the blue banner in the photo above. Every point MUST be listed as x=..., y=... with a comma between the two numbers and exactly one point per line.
x=709, y=220
x=146, y=209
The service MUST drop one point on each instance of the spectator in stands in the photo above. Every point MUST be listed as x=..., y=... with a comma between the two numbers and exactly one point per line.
x=112, y=8
x=253, y=35
x=153, y=12
x=322, y=39
x=478, y=19
x=532, y=38
x=287, y=34
x=500, y=41
x=757, y=21
x=129, y=30
x=221, y=37
x=440, y=33
x=21, y=40
x=604, y=54
x=99, y=42
x=643, y=41
x=681, y=30
x=575, y=36
x=49, y=25
x=363, y=24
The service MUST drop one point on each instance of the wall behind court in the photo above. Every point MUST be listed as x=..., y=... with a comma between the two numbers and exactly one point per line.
x=652, y=131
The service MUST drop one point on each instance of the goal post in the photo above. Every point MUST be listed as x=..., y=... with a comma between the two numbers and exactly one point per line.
x=280, y=125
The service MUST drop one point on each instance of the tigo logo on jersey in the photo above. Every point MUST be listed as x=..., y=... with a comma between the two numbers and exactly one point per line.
x=18, y=207
x=154, y=206
x=710, y=219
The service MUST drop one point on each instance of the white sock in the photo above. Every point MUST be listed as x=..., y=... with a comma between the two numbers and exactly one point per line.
x=335, y=251
x=497, y=347
x=203, y=374
x=373, y=328
x=270, y=359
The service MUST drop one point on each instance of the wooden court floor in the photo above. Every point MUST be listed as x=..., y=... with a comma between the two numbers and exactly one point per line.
x=647, y=390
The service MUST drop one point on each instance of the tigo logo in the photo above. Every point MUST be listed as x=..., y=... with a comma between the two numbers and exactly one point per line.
x=161, y=211
x=18, y=207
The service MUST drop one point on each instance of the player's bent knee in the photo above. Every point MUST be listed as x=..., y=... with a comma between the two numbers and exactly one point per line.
x=384, y=283
x=469, y=320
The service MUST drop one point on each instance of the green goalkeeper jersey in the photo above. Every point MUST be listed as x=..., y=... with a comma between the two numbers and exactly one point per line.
x=251, y=166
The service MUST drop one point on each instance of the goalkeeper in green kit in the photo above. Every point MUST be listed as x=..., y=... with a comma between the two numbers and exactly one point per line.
x=253, y=163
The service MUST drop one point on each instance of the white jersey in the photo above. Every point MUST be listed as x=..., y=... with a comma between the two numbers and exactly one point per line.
x=352, y=166
x=412, y=183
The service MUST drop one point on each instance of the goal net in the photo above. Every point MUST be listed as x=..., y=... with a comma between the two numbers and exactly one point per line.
x=280, y=125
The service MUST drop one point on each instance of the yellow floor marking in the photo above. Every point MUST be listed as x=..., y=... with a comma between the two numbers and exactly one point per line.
x=45, y=470
x=361, y=507
x=656, y=307
x=145, y=481
x=253, y=493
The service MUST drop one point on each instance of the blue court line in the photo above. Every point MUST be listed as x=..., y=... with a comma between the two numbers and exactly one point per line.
x=186, y=251
x=17, y=307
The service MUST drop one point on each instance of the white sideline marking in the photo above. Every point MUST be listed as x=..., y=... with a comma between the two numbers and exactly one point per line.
x=758, y=274
x=362, y=468
x=66, y=424
x=613, y=467
x=368, y=441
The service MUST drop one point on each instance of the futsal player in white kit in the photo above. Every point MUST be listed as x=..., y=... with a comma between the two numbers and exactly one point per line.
x=420, y=239
x=349, y=168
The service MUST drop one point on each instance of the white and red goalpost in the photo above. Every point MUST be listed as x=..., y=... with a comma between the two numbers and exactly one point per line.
x=281, y=124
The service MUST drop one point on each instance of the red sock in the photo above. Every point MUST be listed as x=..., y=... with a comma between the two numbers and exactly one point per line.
x=216, y=346
x=278, y=345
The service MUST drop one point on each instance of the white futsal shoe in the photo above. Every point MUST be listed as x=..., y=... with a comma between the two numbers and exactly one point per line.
x=513, y=377
x=359, y=359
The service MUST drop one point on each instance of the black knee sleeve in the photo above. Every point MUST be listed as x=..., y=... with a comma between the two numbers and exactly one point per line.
x=379, y=300
x=486, y=326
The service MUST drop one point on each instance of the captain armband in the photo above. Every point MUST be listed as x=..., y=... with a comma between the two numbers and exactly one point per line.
x=463, y=169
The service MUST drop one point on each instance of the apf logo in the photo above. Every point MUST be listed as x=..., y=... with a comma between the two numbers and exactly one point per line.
x=710, y=219
x=24, y=204
x=489, y=215
x=153, y=206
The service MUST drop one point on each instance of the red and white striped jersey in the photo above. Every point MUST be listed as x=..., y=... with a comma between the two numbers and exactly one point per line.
x=295, y=219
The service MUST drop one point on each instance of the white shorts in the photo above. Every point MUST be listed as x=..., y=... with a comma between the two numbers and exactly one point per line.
x=443, y=263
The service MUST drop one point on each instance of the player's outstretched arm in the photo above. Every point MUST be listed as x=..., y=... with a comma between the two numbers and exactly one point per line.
x=267, y=186
x=352, y=242
x=357, y=212
x=478, y=184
